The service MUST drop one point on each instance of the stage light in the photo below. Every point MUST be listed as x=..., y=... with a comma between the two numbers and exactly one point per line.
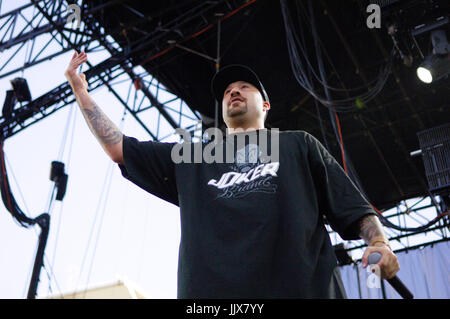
x=424, y=75
x=20, y=87
x=8, y=106
x=434, y=67
x=61, y=187
x=58, y=176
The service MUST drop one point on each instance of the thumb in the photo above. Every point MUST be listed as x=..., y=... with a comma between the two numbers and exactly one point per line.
x=83, y=76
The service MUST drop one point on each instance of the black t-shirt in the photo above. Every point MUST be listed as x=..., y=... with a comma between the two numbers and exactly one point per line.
x=252, y=229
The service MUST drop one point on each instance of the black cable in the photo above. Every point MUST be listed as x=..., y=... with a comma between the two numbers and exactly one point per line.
x=348, y=164
x=7, y=196
x=42, y=220
x=299, y=67
x=387, y=223
x=302, y=69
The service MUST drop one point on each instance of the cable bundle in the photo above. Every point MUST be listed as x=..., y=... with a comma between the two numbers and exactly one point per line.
x=387, y=223
x=305, y=75
x=301, y=65
x=7, y=196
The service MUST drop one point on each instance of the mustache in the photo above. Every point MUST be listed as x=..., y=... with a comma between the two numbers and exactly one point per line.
x=235, y=98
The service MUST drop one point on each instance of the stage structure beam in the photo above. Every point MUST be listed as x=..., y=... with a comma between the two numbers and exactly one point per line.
x=52, y=101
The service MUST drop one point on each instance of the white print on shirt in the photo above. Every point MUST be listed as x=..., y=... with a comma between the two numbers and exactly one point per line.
x=248, y=175
x=231, y=178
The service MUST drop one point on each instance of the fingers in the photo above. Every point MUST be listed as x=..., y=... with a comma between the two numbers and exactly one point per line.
x=365, y=257
x=82, y=57
x=370, y=250
x=388, y=264
x=393, y=269
x=78, y=59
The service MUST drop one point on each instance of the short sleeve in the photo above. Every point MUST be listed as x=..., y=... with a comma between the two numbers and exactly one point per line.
x=149, y=166
x=339, y=199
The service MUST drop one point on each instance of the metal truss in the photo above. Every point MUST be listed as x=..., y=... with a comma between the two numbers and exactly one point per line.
x=408, y=217
x=45, y=20
x=38, y=32
x=34, y=25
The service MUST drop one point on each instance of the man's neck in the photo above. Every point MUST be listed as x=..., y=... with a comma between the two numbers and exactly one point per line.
x=240, y=129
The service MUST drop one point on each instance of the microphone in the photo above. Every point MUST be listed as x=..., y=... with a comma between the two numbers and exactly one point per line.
x=374, y=258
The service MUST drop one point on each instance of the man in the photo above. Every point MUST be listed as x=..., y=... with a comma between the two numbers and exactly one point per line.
x=261, y=233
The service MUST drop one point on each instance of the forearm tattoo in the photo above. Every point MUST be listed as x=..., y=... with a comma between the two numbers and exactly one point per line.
x=371, y=229
x=101, y=126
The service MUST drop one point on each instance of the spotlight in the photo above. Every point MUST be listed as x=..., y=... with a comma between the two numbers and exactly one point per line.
x=61, y=187
x=8, y=106
x=434, y=67
x=20, y=87
x=437, y=64
x=58, y=176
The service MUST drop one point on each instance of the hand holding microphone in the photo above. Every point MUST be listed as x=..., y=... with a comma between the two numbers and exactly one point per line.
x=402, y=290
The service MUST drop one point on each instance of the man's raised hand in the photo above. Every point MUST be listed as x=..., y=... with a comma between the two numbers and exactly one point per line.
x=100, y=125
x=77, y=81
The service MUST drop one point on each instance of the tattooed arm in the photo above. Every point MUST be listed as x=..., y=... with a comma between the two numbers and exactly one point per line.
x=100, y=125
x=372, y=232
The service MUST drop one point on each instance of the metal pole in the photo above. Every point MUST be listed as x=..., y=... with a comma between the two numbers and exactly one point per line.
x=44, y=222
x=357, y=278
x=383, y=291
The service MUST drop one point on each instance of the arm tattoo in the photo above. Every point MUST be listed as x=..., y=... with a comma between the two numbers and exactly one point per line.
x=101, y=126
x=370, y=229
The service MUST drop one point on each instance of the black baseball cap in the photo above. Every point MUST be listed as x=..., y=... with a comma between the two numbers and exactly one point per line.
x=233, y=73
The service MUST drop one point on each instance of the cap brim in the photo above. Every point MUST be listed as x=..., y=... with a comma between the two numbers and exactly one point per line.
x=234, y=73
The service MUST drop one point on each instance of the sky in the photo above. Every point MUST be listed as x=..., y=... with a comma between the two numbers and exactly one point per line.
x=134, y=234
x=106, y=228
